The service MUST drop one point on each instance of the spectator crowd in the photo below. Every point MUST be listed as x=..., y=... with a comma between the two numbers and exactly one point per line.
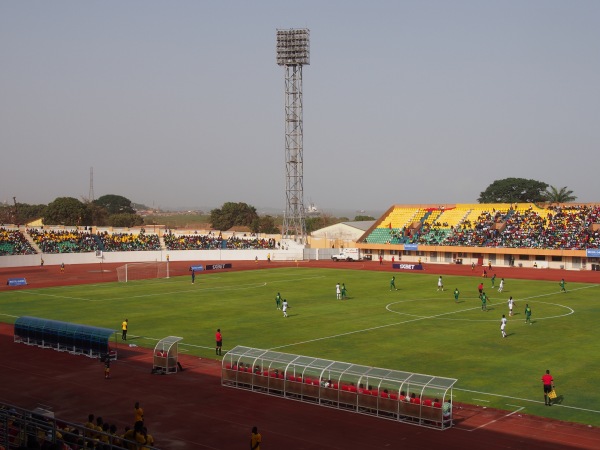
x=13, y=242
x=564, y=227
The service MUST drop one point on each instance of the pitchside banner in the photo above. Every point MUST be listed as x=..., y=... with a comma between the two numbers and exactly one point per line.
x=592, y=252
x=218, y=266
x=196, y=268
x=16, y=282
x=407, y=266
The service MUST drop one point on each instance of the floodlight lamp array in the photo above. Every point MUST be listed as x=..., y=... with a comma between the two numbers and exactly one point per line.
x=293, y=47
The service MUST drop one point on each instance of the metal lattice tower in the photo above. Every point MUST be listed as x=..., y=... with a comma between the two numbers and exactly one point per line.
x=292, y=53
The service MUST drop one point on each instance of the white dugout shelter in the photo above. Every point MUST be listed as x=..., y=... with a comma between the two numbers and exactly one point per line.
x=392, y=394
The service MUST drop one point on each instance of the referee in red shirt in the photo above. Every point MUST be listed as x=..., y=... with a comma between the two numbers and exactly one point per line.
x=548, y=386
x=219, y=339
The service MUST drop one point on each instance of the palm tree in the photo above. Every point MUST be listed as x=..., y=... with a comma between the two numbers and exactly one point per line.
x=562, y=195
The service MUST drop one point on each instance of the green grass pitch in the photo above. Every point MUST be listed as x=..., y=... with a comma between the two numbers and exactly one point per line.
x=415, y=329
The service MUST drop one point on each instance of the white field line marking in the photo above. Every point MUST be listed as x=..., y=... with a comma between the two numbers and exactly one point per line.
x=496, y=420
x=417, y=318
x=571, y=311
x=527, y=400
x=158, y=294
x=180, y=343
x=371, y=328
x=480, y=400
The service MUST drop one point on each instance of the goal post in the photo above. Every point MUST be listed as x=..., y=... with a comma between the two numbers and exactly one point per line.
x=142, y=271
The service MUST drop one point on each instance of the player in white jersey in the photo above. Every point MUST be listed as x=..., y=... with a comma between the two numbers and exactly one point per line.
x=284, y=307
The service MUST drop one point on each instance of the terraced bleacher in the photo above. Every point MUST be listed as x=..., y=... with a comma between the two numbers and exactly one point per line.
x=63, y=241
x=13, y=242
x=492, y=225
x=130, y=242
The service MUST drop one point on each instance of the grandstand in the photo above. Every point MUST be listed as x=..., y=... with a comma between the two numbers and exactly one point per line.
x=559, y=236
x=13, y=242
x=555, y=236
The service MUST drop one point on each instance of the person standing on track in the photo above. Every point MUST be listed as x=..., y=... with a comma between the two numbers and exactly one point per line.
x=548, y=382
x=255, y=439
x=138, y=413
x=124, y=329
x=107, y=366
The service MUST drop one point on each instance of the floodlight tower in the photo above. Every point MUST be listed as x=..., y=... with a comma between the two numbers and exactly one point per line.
x=91, y=193
x=292, y=53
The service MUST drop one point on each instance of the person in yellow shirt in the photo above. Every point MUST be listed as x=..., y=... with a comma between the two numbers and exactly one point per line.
x=255, y=439
x=124, y=328
x=135, y=437
x=139, y=413
x=149, y=439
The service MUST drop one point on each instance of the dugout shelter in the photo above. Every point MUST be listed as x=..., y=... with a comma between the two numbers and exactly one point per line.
x=392, y=394
x=74, y=338
x=166, y=355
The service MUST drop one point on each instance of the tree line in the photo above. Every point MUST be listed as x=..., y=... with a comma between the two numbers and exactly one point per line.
x=108, y=210
x=118, y=211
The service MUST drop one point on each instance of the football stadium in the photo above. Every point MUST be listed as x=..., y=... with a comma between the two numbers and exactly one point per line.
x=446, y=325
x=384, y=330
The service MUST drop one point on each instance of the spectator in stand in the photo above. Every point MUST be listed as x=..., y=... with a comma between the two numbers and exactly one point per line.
x=136, y=436
x=90, y=425
x=148, y=437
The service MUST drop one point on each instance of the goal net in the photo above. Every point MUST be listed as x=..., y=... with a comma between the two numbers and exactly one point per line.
x=142, y=271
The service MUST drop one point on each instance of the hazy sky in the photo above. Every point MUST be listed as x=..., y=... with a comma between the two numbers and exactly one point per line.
x=181, y=103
